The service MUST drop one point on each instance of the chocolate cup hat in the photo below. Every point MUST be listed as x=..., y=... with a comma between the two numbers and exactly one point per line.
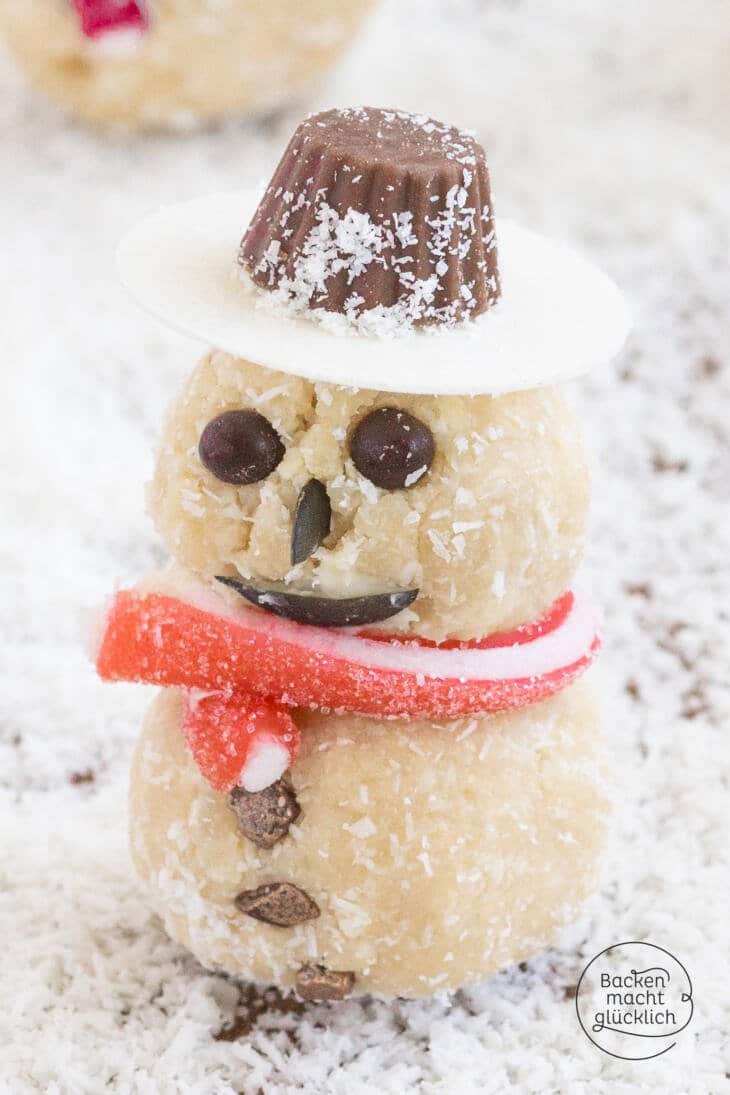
x=378, y=211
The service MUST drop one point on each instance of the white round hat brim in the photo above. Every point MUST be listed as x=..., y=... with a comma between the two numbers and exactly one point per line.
x=558, y=315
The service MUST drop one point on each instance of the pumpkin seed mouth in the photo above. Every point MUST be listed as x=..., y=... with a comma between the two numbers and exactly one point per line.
x=312, y=608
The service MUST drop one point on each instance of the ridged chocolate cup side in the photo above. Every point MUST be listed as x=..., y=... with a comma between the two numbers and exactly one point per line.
x=382, y=213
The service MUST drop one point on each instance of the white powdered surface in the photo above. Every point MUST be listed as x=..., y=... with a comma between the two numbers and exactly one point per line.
x=604, y=125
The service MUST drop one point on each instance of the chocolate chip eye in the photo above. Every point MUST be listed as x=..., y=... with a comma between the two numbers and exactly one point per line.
x=390, y=448
x=240, y=447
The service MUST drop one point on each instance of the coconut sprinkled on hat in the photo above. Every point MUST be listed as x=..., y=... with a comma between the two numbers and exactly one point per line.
x=381, y=217
x=377, y=226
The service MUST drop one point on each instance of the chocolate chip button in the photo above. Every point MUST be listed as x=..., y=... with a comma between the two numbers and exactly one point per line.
x=279, y=903
x=240, y=447
x=315, y=982
x=392, y=448
x=265, y=816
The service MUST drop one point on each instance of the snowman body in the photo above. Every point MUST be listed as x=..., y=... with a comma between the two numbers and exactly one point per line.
x=436, y=851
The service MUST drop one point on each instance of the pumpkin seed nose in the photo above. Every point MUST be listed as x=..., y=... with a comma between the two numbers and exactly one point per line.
x=312, y=519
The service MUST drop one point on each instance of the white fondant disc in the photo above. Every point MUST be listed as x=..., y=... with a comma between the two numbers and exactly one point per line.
x=558, y=315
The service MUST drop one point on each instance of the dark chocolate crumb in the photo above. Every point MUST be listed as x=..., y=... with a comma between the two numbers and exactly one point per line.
x=632, y=689
x=709, y=367
x=695, y=701
x=570, y=992
x=662, y=464
x=253, y=1003
x=671, y=642
x=279, y=903
x=639, y=589
x=265, y=816
x=85, y=776
x=314, y=982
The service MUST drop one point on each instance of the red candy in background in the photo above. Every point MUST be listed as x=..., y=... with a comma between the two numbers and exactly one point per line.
x=100, y=17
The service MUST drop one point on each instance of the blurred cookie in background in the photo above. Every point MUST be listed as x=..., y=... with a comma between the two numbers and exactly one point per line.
x=176, y=63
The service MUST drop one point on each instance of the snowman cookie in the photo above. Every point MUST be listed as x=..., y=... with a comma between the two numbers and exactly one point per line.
x=372, y=767
x=175, y=63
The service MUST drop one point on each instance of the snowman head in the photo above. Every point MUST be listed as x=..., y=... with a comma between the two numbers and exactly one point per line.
x=478, y=503
x=400, y=442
